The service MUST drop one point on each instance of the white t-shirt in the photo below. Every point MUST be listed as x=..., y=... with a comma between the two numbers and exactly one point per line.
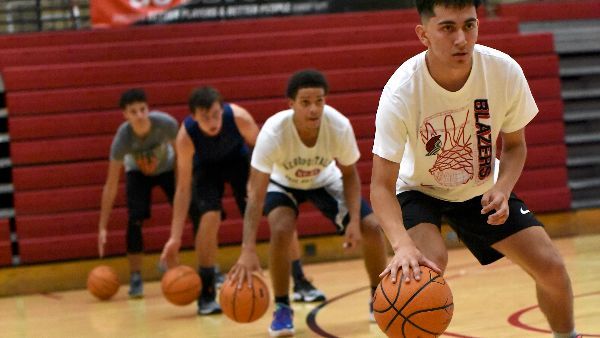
x=445, y=141
x=280, y=152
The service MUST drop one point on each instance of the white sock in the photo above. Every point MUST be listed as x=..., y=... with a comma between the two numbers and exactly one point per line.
x=572, y=334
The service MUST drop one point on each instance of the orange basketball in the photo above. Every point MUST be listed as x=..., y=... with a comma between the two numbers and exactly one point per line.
x=181, y=285
x=416, y=309
x=245, y=305
x=103, y=282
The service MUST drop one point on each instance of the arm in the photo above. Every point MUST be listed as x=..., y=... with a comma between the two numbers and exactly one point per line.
x=383, y=198
x=512, y=160
x=351, y=183
x=246, y=124
x=181, y=202
x=248, y=261
x=109, y=193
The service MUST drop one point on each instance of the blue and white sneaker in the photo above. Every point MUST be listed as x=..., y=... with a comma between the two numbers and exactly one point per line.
x=136, y=285
x=283, y=321
x=304, y=291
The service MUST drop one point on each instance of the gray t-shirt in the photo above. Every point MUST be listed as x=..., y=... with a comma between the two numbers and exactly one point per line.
x=141, y=153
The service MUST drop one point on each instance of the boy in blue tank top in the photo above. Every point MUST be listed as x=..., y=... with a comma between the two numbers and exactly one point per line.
x=143, y=145
x=213, y=147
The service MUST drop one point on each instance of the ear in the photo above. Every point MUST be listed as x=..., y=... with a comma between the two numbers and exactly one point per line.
x=290, y=102
x=422, y=35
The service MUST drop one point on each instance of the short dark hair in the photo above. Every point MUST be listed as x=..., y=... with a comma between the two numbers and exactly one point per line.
x=306, y=78
x=204, y=97
x=132, y=95
x=425, y=7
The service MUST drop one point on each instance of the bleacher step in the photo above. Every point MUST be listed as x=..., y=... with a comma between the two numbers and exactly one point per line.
x=584, y=204
x=6, y=188
x=7, y=213
x=585, y=183
x=581, y=115
x=583, y=161
x=582, y=138
x=580, y=93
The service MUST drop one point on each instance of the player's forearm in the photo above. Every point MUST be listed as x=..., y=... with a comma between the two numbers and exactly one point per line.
x=512, y=161
x=352, y=194
x=181, y=205
x=252, y=217
x=386, y=208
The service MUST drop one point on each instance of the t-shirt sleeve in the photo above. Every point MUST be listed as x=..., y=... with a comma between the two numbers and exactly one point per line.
x=265, y=152
x=119, y=148
x=521, y=104
x=390, y=127
x=348, y=152
x=172, y=126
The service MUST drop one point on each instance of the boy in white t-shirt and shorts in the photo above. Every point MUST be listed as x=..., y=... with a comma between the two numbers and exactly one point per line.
x=306, y=153
x=438, y=120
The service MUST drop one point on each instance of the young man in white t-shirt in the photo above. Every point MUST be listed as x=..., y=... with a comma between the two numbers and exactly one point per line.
x=306, y=153
x=438, y=120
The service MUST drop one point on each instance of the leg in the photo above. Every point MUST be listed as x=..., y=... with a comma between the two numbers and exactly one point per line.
x=206, y=241
x=373, y=244
x=533, y=251
x=138, y=189
x=428, y=240
x=304, y=290
x=205, y=213
x=282, y=222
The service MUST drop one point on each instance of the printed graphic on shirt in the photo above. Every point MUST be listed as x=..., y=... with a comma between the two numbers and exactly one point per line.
x=443, y=135
x=306, y=168
x=147, y=161
x=484, y=138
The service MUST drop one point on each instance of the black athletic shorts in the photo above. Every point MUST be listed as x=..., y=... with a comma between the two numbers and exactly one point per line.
x=139, y=191
x=330, y=200
x=466, y=220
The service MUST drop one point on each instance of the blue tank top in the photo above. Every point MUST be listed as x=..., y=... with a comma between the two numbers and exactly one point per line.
x=227, y=144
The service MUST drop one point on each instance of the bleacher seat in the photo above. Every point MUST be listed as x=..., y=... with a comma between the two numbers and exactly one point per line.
x=63, y=114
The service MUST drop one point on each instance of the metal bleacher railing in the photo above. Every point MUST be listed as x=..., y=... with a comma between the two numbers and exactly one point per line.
x=42, y=15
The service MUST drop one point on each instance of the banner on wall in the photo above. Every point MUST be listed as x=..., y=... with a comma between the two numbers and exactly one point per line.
x=112, y=13
x=205, y=10
x=126, y=12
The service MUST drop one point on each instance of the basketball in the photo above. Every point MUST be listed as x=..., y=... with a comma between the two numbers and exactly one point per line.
x=181, y=285
x=245, y=305
x=416, y=309
x=103, y=282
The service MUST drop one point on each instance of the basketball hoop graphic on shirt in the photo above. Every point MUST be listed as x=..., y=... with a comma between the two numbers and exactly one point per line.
x=442, y=137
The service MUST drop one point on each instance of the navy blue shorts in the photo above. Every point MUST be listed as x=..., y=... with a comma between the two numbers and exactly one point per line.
x=209, y=185
x=329, y=200
x=466, y=220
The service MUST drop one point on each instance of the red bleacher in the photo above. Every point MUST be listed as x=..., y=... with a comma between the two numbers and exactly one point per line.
x=551, y=10
x=5, y=249
x=63, y=114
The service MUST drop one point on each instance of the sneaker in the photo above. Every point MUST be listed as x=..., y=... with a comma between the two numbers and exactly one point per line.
x=283, y=321
x=136, y=285
x=371, y=313
x=208, y=307
x=304, y=291
x=219, y=279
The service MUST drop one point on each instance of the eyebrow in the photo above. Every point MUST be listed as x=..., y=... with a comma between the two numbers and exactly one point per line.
x=450, y=22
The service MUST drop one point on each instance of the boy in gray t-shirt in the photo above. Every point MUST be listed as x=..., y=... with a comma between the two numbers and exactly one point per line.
x=143, y=145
